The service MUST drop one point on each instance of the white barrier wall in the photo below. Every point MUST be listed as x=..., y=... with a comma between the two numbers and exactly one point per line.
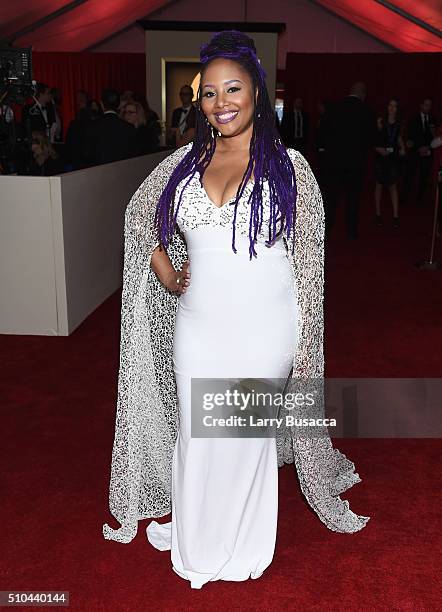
x=61, y=244
x=28, y=300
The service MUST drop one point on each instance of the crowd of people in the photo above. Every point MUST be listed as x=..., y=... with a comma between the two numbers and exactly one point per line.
x=404, y=149
x=122, y=126
x=116, y=127
x=110, y=129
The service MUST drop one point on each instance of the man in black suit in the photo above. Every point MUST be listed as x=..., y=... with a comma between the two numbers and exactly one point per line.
x=420, y=132
x=38, y=116
x=295, y=127
x=183, y=119
x=349, y=130
x=110, y=138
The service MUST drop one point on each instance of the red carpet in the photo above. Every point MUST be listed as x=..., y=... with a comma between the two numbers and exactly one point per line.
x=383, y=318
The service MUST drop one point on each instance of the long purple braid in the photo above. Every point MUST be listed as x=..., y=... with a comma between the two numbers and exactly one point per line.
x=268, y=156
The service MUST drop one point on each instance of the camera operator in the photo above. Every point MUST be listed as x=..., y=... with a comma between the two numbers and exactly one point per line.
x=7, y=139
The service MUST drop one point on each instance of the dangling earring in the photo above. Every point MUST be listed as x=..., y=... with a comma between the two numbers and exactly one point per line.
x=210, y=126
x=215, y=132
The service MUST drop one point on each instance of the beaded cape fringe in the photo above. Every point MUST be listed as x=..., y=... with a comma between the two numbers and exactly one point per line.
x=147, y=406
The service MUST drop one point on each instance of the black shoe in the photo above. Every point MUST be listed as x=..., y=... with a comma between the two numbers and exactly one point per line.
x=378, y=221
x=395, y=222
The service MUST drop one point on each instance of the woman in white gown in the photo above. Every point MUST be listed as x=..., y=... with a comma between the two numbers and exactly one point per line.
x=233, y=197
x=236, y=318
x=224, y=508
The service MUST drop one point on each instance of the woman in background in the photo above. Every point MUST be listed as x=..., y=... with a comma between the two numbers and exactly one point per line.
x=152, y=121
x=389, y=149
x=126, y=96
x=436, y=145
x=95, y=110
x=45, y=160
x=146, y=124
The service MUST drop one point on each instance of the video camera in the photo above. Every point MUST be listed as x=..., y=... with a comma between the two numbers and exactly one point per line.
x=15, y=75
x=16, y=85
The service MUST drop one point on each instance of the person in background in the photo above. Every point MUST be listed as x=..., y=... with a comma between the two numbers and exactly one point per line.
x=152, y=120
x=421, y=130
x=38, y=115
x=277, y=123
x=126, y=96
x=54, y=106
x=45, y=160
x=81, y=100
x=349, y=132
x=295, y=126
x=148, y=134
x=322, y=107
x=183, y=119
x=389, y=148
x=95, y=110
x=74, y=152
x=110, y=138
x=436, y=146
x=7, y=139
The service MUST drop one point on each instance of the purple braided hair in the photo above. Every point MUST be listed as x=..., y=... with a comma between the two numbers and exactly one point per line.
x=268, y=156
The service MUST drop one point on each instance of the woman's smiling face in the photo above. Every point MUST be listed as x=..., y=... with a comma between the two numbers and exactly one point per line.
x=227, y=97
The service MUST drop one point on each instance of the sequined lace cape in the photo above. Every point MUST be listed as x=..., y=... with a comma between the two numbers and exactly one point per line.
x=147, y=412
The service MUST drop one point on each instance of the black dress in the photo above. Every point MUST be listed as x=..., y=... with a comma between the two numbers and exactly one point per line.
x=387, y=168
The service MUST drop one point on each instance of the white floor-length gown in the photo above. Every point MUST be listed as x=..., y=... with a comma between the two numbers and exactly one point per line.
x=238, y=318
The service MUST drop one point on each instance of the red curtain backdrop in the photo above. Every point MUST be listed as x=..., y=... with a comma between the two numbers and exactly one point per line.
x=91, y=72
x=407, y=76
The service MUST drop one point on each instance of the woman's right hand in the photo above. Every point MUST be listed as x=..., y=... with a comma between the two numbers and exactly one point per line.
x=178, y=281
